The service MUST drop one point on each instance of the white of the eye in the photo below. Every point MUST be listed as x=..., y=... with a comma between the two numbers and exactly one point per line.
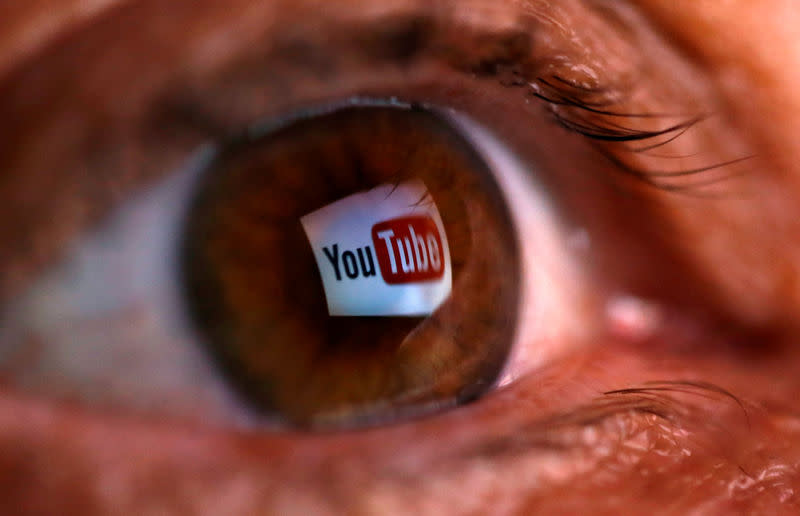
x=554, y=306
x=106, y=325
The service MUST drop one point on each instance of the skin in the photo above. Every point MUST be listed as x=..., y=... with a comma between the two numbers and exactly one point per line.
x=697, y=412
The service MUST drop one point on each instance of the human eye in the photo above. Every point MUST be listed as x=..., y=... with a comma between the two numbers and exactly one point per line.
x=627, y=148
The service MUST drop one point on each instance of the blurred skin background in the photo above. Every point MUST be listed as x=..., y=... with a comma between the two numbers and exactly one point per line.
x=663, y=380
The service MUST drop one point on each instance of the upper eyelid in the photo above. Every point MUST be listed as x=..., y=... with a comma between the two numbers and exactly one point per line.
x=506, y=52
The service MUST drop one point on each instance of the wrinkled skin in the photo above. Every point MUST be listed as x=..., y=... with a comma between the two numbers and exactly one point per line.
x=700, y=416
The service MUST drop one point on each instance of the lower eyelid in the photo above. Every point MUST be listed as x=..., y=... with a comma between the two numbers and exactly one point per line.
x=503, y=446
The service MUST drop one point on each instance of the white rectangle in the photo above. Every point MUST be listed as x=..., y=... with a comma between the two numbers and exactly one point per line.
x=341, y=239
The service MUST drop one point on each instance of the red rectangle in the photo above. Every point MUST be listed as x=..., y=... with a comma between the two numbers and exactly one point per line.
x=409, y=250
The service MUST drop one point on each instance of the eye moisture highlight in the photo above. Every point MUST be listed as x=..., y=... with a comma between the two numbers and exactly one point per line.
x=353, y=267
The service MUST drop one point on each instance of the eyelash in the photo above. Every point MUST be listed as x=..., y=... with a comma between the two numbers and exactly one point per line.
x=566, y=100
x=588, y=111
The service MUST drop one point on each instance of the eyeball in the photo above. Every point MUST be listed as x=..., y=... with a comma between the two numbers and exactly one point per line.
x=352, y=265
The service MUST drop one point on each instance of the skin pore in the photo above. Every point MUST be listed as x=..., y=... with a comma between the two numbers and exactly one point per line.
x=697, y=413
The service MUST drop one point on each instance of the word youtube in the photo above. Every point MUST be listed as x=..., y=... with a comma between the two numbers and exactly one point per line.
x=381, y=252
x=408, y=250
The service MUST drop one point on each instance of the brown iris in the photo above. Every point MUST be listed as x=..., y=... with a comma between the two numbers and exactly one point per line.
x=254, y=289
